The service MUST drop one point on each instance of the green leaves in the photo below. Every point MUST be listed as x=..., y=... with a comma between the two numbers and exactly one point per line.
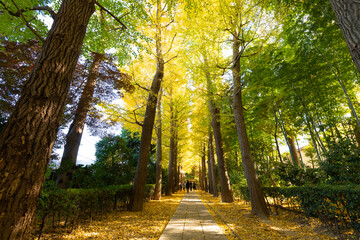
x=16, y=14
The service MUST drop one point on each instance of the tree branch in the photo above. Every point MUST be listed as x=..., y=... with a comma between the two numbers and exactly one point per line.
x=45, y=8
x=36, y=8
x=117, y=19
x=171, y=44
x=170, y=59
x=27, y=23
x=144, y=88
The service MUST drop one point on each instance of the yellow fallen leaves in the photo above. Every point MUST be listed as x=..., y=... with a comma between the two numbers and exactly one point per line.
x=147, y=224
x=237, y=222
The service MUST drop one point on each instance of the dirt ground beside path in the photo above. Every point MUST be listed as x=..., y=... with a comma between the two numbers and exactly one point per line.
x=147, y=224
x=236, y=221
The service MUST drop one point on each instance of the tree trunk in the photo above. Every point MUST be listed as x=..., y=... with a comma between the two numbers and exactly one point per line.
x=209, y=175
x=178, y=176
x=137, y=195
x=201, y=179
x=258, y=205
x=226, y=193
x=171, y=168
x=301, y=158
x=348, y=14
x=212, y=166
x=28, y=137
x=175, y=170
x=73, y=138
x=286, y=137
x=204, y=169
x=313, y=140
x=157, y=192
x=292, y=146
x=275, y=137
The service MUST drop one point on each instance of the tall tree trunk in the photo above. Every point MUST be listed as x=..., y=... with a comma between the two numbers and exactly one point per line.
x=210, y=176
x=201, y=178
x=288, y=143
x=157, y=192
x=299, y=150
x=204, y=168
x=291, y=140
x=212, y=166
x=348, y=14
x=226, y=193
x=171, y=168
x=73, y=138
x=258, y=205
x=137, y=194
x=313, y=140
x=275, y=137
x=178, y=176
x=28, y=137
x=175, y=170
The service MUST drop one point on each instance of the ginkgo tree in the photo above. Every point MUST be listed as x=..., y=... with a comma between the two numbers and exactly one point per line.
x=103, y=35
x=29, y=135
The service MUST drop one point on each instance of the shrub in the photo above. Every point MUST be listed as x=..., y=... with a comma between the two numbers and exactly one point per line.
x=342, y=163
x=337, y=206
x=69, y=204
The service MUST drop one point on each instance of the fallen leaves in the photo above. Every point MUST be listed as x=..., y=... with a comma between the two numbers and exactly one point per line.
x=147, y=224
x=237, y=222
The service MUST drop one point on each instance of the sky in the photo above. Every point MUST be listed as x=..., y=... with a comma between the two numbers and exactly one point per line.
x=86, y=155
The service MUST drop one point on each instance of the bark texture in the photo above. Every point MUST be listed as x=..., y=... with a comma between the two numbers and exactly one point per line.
x=347, y=13
x=176, y=165
x=291, y=141
x=172, y=163
x=157, y=191
x=28, y=137
x=258, y=205
x=137, y=194
x=214, y=189
x=73, y=138
x=204, y=179
x=226, y=193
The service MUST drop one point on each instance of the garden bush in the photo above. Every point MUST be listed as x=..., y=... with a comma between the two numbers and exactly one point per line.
x=337, y=206
x=67, y=205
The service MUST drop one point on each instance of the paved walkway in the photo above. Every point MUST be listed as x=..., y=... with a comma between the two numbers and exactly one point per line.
x=192, y=221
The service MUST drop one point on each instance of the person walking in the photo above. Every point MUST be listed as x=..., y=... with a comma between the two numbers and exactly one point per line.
x=187, y=186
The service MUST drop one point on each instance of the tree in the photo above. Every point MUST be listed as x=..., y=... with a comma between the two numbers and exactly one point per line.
x=137, y=195
x=31, y=129
x=347, y=15
x=158, y=186
x=226, y=193
x=241, y=19
x=102, y=72
x=73, y=137
x=172, y=155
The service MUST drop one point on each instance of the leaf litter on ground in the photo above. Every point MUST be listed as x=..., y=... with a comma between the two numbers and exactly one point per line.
x=237, y=222
x=146, y=224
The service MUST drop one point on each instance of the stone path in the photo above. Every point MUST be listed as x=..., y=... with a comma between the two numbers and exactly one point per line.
x=192, y=221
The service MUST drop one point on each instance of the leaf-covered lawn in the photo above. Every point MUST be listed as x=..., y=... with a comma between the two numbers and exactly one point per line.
x=147, y=224
x=286, y=225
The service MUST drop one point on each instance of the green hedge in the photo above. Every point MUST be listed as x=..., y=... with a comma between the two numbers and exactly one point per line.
x=66, y=205
x=337, y=206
